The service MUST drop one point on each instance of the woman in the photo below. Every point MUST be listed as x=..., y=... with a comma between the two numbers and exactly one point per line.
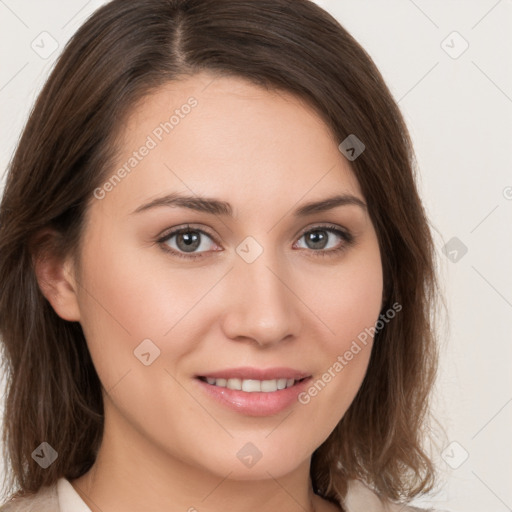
x=217, y=272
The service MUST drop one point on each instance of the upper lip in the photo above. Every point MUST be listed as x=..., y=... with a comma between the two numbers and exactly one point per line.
x=248, y=372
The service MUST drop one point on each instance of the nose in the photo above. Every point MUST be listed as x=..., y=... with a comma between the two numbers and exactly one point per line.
x=261, y=305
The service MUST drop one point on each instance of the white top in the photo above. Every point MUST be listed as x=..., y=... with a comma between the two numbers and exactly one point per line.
x=69, y=499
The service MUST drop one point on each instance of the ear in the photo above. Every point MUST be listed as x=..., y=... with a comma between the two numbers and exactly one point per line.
x=55, y=275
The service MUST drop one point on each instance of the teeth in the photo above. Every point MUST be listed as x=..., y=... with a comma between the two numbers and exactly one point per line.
x=281, y=383
x=251, y=385
x=234, y=384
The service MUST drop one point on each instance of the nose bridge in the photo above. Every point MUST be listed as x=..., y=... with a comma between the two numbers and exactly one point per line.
x=261, y=306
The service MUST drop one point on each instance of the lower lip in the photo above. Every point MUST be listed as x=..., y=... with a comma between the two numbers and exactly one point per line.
x=257, y=403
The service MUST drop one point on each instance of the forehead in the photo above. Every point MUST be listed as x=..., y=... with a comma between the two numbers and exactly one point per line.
x=221, y=136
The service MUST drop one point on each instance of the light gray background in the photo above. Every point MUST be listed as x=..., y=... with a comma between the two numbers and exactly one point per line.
x=459, y=111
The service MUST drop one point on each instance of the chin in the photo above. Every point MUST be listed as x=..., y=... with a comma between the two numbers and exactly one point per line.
x=249, y=463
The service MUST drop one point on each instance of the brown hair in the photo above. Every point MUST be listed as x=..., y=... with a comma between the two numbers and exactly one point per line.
x=123, y=52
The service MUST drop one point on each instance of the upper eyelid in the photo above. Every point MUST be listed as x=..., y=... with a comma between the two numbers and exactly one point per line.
x=188, y=227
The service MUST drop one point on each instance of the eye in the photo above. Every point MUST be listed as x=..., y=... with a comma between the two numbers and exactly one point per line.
x=319, y=238
x=188, y=239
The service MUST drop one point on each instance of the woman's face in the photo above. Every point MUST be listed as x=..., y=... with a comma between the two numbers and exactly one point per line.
x=257, y=282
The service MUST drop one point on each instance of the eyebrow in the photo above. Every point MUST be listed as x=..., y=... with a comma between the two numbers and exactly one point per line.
x=223, y=208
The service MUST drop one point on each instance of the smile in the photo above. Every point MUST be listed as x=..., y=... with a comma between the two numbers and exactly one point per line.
x=265, y=393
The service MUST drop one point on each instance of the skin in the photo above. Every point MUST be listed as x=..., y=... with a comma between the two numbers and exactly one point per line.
x=166, y=445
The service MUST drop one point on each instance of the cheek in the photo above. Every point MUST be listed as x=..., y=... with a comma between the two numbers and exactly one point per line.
x=351, y=304
x=127, y=292
x=121, y=304
x=350, y=297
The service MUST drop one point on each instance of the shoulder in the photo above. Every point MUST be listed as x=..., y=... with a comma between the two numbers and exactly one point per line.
x=361, y=498
x=44, y=500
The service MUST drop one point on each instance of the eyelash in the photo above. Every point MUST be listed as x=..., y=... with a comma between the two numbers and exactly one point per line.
x=345, y=235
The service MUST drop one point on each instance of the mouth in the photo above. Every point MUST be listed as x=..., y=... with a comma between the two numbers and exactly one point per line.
x=253, y=391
